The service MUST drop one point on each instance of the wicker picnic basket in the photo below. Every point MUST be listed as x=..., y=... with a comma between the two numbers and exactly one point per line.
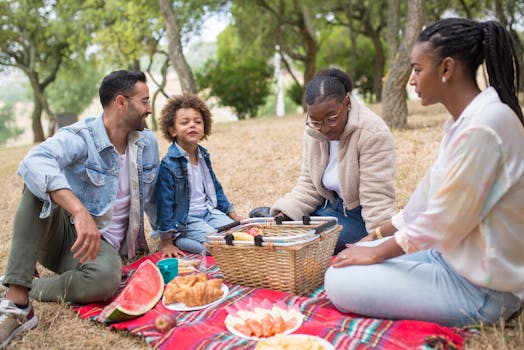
x=290, y=256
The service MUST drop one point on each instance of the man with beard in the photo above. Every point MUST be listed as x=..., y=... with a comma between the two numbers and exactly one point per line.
x=85, y=192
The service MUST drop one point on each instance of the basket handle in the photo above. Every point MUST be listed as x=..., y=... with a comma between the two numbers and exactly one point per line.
x=228, y=226
x=325, y=226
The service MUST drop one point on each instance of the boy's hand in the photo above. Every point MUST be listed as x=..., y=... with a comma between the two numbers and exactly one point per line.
x=169, y=250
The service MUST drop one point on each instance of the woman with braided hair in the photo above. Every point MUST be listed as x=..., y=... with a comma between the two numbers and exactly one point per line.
x=348, y=163
x=454, y=255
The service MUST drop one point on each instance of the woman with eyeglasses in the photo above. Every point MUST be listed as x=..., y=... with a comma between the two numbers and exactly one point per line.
x=348, y=161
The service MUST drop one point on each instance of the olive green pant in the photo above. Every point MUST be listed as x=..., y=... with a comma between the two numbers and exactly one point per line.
x=49, y=241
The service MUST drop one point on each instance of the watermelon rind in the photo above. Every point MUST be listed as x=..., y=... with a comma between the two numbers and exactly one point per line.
x=118, y=311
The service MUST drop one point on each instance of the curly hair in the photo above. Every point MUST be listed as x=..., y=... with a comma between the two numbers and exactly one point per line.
x=174, y=104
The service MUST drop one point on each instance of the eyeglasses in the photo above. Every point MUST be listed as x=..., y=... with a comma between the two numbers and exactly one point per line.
x=145, y=101
x=329, y=121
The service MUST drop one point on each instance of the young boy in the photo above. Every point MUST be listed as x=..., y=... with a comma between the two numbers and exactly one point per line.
x=190, y=200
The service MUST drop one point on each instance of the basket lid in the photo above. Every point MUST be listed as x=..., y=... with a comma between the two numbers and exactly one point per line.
x=271, y=230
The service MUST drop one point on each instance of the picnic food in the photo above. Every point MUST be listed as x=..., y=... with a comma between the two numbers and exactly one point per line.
x=262, y=319
x=284, y=342
x=193, y=290
x=242, y=236
x=165, y=322
x=186, y=266
x=255, y=231
x=141, y=293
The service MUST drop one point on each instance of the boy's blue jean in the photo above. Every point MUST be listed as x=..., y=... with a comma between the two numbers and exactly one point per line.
x=353, y=226
x=419, y=286
x=197, y=229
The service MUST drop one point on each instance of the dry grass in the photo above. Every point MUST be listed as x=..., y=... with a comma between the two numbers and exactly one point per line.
x=256, y=161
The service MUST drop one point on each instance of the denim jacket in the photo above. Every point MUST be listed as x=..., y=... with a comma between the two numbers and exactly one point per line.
x=80, y=157
x=173, y=192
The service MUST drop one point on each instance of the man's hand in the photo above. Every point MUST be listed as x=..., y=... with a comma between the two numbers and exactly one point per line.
x=88, y=238
x=87, y=241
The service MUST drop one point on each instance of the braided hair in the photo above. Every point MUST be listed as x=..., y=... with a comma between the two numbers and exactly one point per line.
x=328, y=83
x=473, y=42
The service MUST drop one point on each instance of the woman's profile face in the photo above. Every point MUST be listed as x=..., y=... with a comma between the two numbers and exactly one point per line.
x=425, y=77
x=329, y=117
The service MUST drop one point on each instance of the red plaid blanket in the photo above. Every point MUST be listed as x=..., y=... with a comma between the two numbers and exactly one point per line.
x=205, y=329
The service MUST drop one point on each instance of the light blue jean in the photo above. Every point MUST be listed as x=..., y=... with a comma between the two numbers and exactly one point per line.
x=419, y=286
x=198, y=227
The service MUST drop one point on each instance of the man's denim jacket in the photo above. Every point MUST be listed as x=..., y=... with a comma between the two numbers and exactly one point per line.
x=173, y=195
x=80, y=157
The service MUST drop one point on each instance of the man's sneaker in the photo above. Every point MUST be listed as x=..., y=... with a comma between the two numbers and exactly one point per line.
x=14, y=321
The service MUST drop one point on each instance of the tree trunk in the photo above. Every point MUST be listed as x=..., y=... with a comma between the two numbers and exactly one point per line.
x=380, y=62
x=310, y=42
x=394, y=106
x=393, y=26
x=38, y=131
x=176, y=55
x=353, y=40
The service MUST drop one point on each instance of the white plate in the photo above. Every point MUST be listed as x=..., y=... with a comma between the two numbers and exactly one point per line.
x=183, y=307
x=323, y=342
x=242, y=335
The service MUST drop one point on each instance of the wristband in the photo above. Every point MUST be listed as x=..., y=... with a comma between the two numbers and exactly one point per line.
x=378, y=233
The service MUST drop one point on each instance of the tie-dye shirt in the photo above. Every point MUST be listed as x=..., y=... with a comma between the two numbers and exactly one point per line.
x=470, y=205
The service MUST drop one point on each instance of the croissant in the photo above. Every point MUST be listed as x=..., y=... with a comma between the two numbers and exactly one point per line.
x=193, y=290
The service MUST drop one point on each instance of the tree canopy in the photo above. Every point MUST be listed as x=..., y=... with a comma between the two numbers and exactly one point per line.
x=64, y=47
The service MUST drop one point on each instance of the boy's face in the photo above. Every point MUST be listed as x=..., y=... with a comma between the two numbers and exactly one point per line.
x=188, y=128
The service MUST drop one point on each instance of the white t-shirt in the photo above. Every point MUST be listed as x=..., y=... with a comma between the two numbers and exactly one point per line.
x=116, y=232
x=330, y=179
x=198, y=200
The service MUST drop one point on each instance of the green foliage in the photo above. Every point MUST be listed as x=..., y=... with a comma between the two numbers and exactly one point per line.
x=125, y=30
x=75, y=87
x=238, y=80
x=295, y=93
x=243, y=85
x=8, y=127
x=268, y=109
x=338, y=55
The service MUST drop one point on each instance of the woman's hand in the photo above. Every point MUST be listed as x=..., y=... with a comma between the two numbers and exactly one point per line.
x=235, y=216
x=370, y=237
x=169, y=250
x=356, y=254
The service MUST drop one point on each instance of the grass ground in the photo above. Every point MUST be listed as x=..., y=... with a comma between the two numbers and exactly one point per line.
x=256, y=161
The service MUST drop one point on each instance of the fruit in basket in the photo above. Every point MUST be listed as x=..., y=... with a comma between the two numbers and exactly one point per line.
x=242, y=236
x=255, y=231
x=165, y=322
x=140, y=294
x=262, y=319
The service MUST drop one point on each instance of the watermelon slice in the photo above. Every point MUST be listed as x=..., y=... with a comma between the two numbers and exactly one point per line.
x=140, y=295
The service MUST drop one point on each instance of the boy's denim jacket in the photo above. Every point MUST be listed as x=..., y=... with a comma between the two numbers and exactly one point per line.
x=80, y=157
x=173, y=195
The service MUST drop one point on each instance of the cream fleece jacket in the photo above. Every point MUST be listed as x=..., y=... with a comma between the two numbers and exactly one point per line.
x=366, y=165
